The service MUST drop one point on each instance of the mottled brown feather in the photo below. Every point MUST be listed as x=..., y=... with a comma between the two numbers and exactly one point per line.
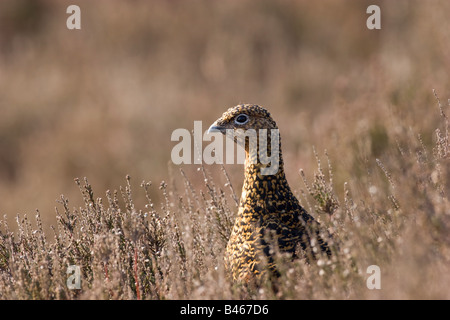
x=269, y=214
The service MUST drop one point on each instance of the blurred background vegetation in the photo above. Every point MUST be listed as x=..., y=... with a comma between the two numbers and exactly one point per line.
x=102, y=102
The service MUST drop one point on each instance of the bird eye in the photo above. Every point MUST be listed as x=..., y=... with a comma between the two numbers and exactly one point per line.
x=241, y=119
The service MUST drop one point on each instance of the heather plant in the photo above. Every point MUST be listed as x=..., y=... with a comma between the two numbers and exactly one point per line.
x=174, y=250
x=365, y=145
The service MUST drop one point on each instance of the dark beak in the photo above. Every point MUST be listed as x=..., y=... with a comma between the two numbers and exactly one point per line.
x=215, y=128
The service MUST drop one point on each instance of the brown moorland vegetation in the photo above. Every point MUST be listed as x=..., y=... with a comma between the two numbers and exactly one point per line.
x=363, y=116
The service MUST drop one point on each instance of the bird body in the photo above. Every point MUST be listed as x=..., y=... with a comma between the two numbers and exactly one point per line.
x=269, y=218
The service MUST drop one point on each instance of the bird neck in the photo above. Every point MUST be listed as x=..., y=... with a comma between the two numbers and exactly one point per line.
x=253, y=173
x=259, y=186
x=264, y=170
x=263, y=154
